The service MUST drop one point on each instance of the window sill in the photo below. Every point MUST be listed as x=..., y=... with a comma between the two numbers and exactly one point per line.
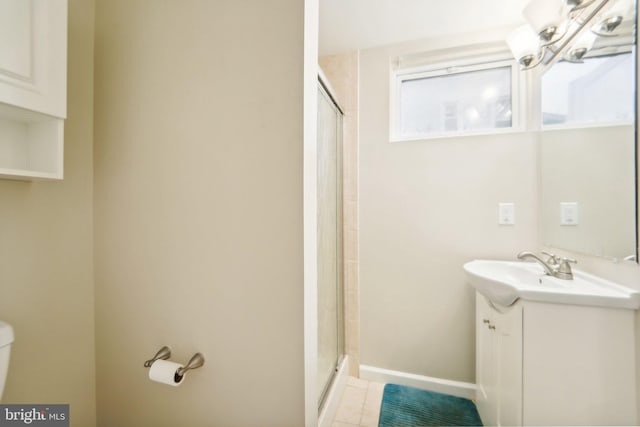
x=447, y=136
x=570, y=126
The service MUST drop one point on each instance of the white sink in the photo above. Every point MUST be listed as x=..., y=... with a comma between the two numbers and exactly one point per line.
x=504, y=282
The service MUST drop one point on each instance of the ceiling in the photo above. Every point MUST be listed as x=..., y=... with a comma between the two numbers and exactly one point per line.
x=347, y=25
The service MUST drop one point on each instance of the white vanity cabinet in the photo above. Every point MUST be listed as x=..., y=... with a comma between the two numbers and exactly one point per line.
x=499, y=363
x=555, y=364
x=33, y=73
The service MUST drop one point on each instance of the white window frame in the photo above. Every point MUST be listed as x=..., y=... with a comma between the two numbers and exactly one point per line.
x=518, y=97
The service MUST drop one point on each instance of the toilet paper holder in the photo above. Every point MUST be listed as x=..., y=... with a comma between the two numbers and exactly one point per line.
x=196, y=361
x=163, y=354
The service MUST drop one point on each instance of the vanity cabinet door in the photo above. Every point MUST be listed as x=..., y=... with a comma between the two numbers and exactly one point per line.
x=508, y=350
x=498, y=363
x=485, y=363
x=33, y=55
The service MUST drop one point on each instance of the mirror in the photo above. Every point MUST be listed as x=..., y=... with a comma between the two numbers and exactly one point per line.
x=588, y=150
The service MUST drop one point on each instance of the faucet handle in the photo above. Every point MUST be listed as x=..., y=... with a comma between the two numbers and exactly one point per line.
x=553, y=258
x=564, y=268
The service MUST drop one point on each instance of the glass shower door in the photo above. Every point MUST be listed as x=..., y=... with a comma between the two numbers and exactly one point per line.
x=330, y=283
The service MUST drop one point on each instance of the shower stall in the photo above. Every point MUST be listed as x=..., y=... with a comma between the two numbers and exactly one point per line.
x=330, y=257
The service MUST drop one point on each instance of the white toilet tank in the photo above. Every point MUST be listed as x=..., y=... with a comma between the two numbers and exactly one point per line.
x=6, y=338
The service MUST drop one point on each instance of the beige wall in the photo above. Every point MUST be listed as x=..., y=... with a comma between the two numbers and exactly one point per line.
x=46, y=256
x=198, y=210
x=426, y=208
x=342, y=72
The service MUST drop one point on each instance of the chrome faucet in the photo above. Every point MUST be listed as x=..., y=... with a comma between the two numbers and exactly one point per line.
x=555, y=266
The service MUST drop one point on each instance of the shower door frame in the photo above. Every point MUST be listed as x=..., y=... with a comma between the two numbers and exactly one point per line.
x=326, y=90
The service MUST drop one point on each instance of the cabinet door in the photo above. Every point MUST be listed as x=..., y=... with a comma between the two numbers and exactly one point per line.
x=508, y=357
x=498, y=363
x=485, y=363
x=33, y=55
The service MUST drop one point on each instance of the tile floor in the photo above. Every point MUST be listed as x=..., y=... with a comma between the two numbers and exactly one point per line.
x=360, y=404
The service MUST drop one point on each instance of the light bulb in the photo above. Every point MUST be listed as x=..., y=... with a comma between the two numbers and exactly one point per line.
x=582, y=45
x=613, y=16
x=545, y=17
x=524, y=45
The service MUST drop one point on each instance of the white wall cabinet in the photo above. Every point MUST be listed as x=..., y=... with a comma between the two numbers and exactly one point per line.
x=554, y=364
x=33, y=73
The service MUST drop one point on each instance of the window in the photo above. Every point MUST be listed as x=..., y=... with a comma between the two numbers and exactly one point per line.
x=600, y=90
x=453, y=101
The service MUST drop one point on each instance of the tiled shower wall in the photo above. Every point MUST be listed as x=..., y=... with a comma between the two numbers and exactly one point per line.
x=342, y=71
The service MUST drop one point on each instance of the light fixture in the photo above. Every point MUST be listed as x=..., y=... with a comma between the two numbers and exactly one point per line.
x=579, y=49
x=564, y=28
x=579, y=3
x=524, y=44
x=611, y=18
x=545, y=17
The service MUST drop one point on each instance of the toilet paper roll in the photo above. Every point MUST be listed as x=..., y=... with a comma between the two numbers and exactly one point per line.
x=165, y=372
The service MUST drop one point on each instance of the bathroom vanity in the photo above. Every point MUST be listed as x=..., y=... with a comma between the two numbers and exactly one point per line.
x=544, y=362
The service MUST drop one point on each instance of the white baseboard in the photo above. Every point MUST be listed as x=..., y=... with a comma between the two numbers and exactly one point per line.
x=334, y=395
x=454, y=388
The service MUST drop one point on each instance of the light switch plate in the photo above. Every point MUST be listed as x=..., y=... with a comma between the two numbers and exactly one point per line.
x=568, y=213
x=506, y=213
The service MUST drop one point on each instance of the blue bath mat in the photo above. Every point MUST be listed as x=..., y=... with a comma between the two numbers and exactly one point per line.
x=410, y=407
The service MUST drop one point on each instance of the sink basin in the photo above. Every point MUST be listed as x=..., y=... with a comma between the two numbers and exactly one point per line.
x=505, y=282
